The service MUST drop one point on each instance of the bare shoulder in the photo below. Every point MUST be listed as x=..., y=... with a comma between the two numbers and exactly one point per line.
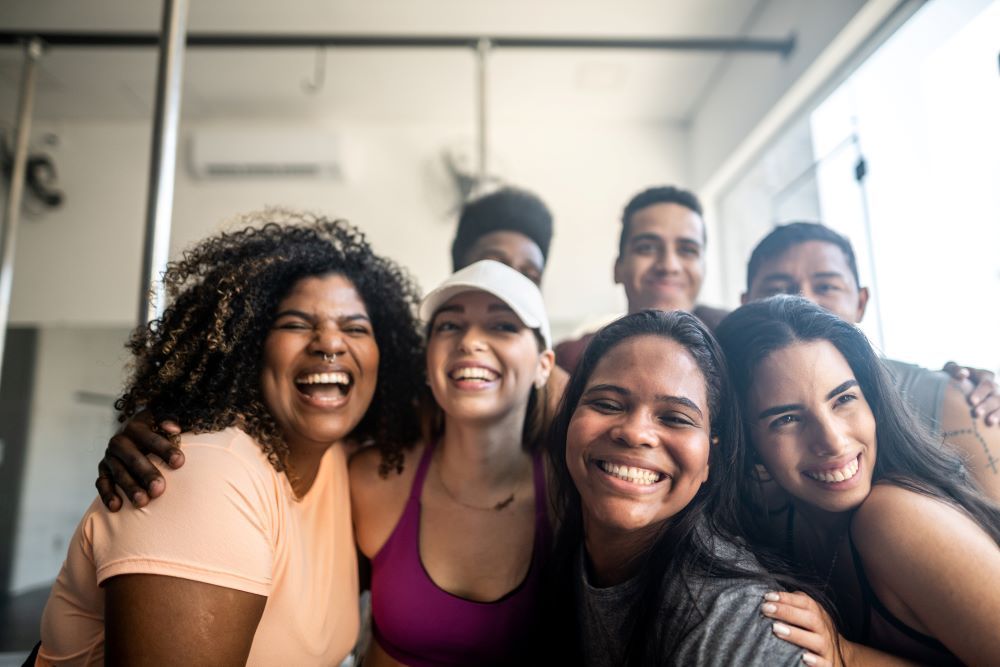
x=377, y=501
x=896, y=523
x=891, y=509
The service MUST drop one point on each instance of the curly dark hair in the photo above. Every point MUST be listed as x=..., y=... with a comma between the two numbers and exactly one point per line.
x=200, y=363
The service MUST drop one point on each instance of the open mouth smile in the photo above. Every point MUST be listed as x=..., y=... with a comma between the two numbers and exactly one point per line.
x=632, y=474
x=844, y=473
x=325, y=388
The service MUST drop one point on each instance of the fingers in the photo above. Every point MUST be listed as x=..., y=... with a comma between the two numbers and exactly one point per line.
x=138, y=438
x=171, y=427
x=955, y=371
x=106, y=488
x=121, y=474
x=985, y=402
x=799, y=620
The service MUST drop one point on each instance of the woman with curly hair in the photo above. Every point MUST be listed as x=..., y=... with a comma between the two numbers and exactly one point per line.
x=882, y=516
x=281, y=343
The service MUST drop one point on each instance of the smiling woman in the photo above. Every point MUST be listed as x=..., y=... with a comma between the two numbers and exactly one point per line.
x=887, y=519
x=281, y=343
x=647, y=568
x=459, y=538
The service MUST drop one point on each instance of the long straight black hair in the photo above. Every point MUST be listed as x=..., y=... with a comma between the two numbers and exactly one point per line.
x=684, y=546
x=907, y=455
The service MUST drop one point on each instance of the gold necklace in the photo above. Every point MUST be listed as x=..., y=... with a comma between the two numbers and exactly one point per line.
x=501, y=505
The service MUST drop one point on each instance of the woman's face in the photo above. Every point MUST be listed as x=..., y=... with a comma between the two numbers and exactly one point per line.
x=638, y=442
x=812, y=427
x=482, y=360
x=320, y=361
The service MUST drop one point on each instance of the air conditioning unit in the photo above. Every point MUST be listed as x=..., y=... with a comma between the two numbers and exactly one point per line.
x=264, y=152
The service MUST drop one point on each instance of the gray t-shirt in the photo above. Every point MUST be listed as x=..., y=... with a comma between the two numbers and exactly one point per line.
x=723, y=624
x=922, y=389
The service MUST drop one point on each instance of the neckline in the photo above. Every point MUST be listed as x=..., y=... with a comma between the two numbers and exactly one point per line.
x=536, y=537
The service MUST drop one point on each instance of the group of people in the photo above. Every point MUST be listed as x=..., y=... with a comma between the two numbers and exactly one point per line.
x=683, y=486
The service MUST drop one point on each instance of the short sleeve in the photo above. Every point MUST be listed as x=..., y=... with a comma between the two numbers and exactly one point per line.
x=214, y=524
x=734, y=632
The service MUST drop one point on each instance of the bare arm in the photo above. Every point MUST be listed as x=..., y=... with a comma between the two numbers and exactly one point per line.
x=206, y=624
x=979, y=445
x=934, y=568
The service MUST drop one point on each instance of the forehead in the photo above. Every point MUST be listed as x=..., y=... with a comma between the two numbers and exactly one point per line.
x=514, y=246
x=796, y=373
x=332, y=291
x=804, y=259
x=669, y=221
x=652, y=366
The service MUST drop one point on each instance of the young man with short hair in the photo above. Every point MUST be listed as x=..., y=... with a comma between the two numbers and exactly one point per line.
x=661, y=260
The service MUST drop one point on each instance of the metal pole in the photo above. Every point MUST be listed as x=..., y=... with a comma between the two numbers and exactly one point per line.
x=32, y=52
x=160, y=198
x=482, y=51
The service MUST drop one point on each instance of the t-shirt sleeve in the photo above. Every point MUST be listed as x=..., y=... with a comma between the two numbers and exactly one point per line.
x=734, y=632
x=214, y=524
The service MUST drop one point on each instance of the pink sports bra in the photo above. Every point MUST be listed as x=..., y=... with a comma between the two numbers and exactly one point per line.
x=420, y=624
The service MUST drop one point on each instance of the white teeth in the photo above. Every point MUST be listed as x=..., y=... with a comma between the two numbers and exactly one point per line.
x=839, y=475
x=473, y=373
x=325, y=378
x=632, y=474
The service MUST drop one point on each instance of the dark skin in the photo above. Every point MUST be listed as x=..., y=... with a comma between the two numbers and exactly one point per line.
x=215, y=636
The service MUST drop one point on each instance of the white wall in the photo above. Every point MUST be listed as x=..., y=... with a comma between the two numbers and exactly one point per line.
x=67, y=437
x=748, y=87
x=80, y=264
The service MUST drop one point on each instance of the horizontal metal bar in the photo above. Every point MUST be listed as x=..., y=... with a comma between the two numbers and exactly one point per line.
x=780, y=46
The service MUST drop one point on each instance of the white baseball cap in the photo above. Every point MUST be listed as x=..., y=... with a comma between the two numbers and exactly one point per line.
x=503, y=282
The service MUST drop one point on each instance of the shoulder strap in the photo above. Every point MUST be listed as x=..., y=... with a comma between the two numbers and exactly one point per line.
x=422, y=467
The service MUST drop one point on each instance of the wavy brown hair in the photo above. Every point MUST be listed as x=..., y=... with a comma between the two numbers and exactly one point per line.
x=200, y=363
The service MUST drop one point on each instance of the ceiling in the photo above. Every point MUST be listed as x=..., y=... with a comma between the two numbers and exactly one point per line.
x=403, y=84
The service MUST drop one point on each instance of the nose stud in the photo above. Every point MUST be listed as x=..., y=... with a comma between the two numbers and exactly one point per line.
x=330, y=358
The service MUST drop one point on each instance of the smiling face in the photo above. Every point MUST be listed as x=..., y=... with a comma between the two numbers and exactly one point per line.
x=637, y=446
x=482, y=361
x=511, y=248
x=812, y=427
x=320, y=362
x=816, y=270
x=662, y=264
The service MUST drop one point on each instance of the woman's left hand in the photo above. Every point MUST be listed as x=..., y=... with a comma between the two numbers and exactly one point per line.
x=802, y=621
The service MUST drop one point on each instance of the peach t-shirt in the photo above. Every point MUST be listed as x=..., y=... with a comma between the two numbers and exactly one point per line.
x=228, y=519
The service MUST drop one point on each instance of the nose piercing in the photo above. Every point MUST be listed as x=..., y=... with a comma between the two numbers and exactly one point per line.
x=330, y=358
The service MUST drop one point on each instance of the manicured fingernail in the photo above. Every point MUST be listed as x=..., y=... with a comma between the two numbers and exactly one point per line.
x=768, y=608
x=772, y=597
x=781, y=629
x=809, y=658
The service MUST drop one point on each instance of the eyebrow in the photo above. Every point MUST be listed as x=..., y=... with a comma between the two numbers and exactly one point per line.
x=778, y=409
x=503, y=307
x=662, y=398
x=646, y=236
x=291, y=312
